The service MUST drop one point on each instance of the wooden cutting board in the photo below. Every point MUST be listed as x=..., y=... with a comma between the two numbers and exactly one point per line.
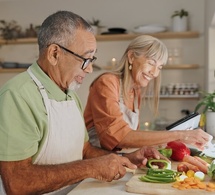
x=134, y=185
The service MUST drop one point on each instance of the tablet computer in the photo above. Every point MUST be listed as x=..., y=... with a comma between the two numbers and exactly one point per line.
x=187, y=123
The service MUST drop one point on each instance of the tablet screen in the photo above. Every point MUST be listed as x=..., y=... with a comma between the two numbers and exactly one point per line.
x=187, y=123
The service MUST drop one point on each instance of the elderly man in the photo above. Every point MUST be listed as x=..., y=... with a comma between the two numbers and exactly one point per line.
x=44, y=145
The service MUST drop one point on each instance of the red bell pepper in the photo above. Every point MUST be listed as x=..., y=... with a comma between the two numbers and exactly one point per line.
x=179, y=150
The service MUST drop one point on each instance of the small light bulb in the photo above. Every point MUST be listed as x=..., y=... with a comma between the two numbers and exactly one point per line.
x=113, y=62
x=146, y=124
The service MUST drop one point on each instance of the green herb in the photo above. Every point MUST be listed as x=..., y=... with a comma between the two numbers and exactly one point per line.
x=211, y=170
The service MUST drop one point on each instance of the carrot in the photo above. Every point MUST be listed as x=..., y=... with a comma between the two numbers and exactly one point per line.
x=194, y=183
x=196, y=162
x=191, y=166
x=202, y=161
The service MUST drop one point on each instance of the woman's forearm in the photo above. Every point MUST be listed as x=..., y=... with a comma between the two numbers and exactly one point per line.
x=136, y=139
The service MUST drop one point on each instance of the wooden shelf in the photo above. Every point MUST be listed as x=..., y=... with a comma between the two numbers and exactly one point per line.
x=12, y=70
x=182, y=97
x=114, y=37
x=181, y=66
x=167, y=67
x=163, y=35
x=18, y=41
x=179, y=98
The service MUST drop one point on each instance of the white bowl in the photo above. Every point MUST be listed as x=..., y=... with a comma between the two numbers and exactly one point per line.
x=9, y=65
x=152, y=28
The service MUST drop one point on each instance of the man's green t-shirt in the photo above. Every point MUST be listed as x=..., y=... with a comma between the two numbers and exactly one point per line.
x=23, y=117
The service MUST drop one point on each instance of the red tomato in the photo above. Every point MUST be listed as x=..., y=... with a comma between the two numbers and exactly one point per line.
x=179, y=150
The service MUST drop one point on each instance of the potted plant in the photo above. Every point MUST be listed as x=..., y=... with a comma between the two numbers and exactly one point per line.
x=9, y=30
x=95, y=23
x=207, y=104
x=180, y=20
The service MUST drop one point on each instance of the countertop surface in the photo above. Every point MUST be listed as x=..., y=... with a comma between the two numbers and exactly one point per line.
x=130, y=185
x=95, y=187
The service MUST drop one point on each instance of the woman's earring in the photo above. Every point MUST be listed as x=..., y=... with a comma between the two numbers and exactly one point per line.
x=130, y=66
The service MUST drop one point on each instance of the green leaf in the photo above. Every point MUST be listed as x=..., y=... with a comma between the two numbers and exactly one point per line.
x=207, y=103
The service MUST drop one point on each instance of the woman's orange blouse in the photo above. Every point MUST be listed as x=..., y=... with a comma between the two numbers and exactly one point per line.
x=103, y=111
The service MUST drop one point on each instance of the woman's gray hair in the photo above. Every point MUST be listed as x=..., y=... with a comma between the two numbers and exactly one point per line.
x=60, y=28
x=151, y=48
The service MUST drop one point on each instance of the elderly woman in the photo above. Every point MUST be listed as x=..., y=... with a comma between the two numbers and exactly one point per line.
x=112, y=110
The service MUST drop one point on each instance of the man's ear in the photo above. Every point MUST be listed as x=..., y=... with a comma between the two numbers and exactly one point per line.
x=53, y=54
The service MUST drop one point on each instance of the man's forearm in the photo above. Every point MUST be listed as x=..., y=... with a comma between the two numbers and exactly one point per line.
x=22, y=177
x=92, y=152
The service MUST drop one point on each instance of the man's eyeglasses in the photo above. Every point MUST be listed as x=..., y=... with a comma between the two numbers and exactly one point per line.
x=86, y=61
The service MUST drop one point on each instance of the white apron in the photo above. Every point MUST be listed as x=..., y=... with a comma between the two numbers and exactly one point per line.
x=132, y=118
x=66, y=131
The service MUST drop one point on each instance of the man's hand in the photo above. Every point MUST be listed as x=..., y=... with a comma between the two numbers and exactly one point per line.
x=110, y=167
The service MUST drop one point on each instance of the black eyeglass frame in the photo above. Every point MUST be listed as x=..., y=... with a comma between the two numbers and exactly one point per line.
x=86, y=61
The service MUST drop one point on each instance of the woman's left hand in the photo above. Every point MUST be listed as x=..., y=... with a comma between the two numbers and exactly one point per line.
x=141, y=156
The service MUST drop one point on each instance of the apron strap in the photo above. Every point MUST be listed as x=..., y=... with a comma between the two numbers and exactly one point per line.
x=122, y=100
x=40, y=87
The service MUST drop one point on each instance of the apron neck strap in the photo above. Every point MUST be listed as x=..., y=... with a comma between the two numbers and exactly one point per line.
x=39, y=84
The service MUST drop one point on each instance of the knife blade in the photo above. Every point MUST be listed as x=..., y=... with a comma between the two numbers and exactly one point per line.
x=136, y=171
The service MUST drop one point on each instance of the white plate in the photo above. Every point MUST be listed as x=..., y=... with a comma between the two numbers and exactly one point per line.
x=153, y=28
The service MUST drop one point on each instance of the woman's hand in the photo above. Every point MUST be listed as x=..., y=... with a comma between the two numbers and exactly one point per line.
x=141, y=156
x=197, y=138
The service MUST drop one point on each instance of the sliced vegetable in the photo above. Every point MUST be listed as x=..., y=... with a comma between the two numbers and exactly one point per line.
x=160, y=176
x=152, y=179
x=193, y=183
x=179, y=150
x=190, y=173
x=181, y=177
x=200, y=175
x=159, y=164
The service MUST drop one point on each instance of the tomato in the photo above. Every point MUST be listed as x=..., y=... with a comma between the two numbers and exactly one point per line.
x=179, y=150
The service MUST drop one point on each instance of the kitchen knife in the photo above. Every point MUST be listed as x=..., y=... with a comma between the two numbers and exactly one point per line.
x=136, y=171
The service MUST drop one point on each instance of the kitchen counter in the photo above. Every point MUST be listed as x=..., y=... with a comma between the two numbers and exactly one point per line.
x=131, y=183
x=94, y=187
